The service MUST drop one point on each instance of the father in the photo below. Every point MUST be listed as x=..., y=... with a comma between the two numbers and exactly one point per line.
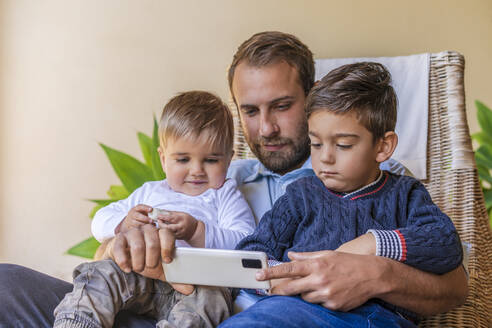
x=269, y=78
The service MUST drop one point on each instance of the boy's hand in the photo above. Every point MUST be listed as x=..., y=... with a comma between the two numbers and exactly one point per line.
x=362, y=245
x=137, y=217
x=181, y=224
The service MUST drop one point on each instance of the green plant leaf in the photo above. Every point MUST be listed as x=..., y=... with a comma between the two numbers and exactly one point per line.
x=482, y=138
x=157, y=167
x=156, y=162
x=483, y=156
x=155, y=134
x=484, y=173
x=484, y=116
x=147, y=146
x=131, y=171
x=488, y=198
x=100, y=204
x=117, y=192
x=86, y=249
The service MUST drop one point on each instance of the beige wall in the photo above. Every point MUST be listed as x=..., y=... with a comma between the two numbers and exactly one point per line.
x=74, y=73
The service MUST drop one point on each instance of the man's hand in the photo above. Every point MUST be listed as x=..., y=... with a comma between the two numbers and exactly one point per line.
x=343, y=281
x=137, y=217
x=333, y=279
x=141, y=250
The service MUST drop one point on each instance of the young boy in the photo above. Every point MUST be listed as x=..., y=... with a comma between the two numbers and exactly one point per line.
x=351, y=205
x=202, y=209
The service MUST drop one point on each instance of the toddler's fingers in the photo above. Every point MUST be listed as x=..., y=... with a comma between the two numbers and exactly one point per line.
x=168, y=219
x=143, y=208
x=141, y=218
x=172, y=227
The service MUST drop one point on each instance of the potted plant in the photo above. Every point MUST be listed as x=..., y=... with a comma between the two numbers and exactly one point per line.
x=132, y=174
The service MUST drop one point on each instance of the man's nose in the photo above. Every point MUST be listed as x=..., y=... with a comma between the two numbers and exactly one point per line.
x=268, y=125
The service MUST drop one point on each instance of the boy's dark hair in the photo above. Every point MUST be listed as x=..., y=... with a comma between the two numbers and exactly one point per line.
x=271, y=47
x=362, y=87
x=196, y=114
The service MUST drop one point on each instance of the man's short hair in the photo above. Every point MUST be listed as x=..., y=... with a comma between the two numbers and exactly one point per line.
x=197, y=114
x=271, y=47
x=361, y=87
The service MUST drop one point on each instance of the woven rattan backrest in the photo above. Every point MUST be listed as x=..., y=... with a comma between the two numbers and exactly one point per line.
x=453, y=184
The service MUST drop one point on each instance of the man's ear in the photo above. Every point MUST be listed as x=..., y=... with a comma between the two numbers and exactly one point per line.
x=386, y=146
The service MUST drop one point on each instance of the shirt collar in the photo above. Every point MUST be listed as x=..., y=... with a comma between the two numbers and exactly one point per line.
x=259, y=170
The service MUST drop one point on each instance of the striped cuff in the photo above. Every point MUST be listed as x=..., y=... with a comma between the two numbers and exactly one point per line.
x=271, y=263
x=390, y=244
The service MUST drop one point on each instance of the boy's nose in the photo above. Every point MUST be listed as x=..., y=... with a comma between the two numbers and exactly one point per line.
x=327, y=155
x=196, y=169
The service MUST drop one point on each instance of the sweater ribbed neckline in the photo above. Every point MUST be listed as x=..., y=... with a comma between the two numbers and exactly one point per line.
x=371, y=189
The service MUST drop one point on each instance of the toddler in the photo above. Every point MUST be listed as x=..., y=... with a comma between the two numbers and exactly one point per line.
x=201, y=209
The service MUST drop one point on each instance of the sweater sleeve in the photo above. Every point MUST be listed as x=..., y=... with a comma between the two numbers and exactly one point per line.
x=277, y=227
x=235, y=219
x=429, y=241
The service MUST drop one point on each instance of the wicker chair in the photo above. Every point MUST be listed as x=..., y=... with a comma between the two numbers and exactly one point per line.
x=453, y=184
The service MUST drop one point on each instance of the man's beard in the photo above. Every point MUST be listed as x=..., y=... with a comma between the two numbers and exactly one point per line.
x=295, y=152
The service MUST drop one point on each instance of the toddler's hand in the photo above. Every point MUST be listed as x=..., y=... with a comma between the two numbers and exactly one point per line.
x=138, y=216
x=181, y=224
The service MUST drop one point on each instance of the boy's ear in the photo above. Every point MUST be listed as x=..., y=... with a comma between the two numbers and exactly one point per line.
x=387, y=146
x=229, y=157
x=161, y=156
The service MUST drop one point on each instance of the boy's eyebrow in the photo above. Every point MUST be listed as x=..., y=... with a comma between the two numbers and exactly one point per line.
x=337, y=135
x=346, y=135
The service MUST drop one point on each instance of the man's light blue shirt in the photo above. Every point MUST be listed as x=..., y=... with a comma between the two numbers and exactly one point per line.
x=262, y=187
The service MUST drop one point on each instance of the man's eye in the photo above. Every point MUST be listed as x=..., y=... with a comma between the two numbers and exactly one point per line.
x=182, y=160
x=283, y=106
x=344, y=146
x=250, y=111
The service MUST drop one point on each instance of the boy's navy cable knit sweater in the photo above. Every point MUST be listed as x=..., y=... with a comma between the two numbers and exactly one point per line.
x=398, y=210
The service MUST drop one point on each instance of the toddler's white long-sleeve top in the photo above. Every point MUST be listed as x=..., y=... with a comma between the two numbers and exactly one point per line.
x=224, y=211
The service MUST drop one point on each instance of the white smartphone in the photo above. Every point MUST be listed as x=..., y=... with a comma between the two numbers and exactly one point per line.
x=216, y=267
